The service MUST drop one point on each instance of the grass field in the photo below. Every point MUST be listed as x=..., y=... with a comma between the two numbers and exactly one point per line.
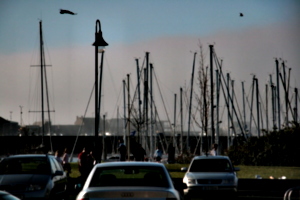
x=245, y=171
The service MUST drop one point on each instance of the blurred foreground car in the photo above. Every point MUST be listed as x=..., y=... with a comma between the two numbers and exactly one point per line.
x=6, y=196
x=210, y=175
x=129, y=180
x=33, y=176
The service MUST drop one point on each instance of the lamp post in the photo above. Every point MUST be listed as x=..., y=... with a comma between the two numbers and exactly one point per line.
x=99, y=44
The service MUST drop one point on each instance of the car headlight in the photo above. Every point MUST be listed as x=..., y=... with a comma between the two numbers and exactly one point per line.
x=34, y=187
x=228, y=181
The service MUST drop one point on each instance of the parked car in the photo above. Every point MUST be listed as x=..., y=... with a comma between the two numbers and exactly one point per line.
x=211, y=175
x=129, y=180
x=7, y=196
x=33, y=176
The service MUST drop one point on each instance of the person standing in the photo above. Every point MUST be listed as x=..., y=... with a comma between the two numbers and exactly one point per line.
x=171, y=154
x=83, y=163
x=90, y=161
x=140, y=153
x=122, y=150
x=158, y=154
x=214, y=149
x=65, y=161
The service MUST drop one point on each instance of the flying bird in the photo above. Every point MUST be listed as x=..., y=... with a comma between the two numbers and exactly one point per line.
x=241, y=14
x=67, y=12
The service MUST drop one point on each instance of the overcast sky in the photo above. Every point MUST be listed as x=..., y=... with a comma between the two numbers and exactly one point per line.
x=169, y=29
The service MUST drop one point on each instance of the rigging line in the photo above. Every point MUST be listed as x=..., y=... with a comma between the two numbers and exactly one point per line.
x=118, y=99
x=131, y=108
x=53, y=93
x=47, y=96
x=227, y=99
x=251, y=113
x=82, y=122
x=238, y=107
x=164, y=105
x=234, y=99
x=234, y=110
x=286, y=98
x=109, y=70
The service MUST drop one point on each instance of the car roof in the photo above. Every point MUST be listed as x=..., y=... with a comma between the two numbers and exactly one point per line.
x=28, y=155
x=131, y=163
x=211, y=157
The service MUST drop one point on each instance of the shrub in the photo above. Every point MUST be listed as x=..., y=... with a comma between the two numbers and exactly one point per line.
x=277, y=148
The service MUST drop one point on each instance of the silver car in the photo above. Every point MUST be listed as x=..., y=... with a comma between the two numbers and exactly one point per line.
x=129, y=180
x=210, y=175
x=33, y=176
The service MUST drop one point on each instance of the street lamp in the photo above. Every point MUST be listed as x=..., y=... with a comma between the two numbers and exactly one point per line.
x=99, y=44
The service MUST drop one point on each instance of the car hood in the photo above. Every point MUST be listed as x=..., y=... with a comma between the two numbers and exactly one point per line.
x=209, y=175
x=9, y=179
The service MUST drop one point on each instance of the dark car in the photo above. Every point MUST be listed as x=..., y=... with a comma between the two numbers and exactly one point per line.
x=33, y=176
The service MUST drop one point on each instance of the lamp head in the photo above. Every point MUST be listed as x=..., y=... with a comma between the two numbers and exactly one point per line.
x=100, y=42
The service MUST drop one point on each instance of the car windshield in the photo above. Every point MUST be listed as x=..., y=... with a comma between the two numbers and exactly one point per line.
x=211, y=165
x=26, y=165
x=129, y=176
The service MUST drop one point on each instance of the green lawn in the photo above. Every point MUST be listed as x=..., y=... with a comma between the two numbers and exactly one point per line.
x=245, y=171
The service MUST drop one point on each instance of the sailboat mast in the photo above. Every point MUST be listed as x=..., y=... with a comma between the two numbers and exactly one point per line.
x=212, y=94
x=139, y=100
x=190, y=106
x=278, y=94
x=42, y=80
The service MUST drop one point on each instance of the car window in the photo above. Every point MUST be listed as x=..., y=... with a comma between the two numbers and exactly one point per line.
x=26, y=165
x=57, y=165
x=129, y=176
x=211, y=165
x=54, y=167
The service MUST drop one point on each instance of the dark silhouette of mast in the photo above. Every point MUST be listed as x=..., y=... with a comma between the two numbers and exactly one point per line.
x=212, y=94
x=139, y=98
x=190, y=105
x=42, y=80
x=278, y=94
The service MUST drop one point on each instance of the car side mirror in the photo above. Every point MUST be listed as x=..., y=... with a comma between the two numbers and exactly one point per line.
x=183, y=169
x=236, y=169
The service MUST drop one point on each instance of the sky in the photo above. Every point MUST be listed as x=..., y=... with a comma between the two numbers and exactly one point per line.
x=170, y=30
